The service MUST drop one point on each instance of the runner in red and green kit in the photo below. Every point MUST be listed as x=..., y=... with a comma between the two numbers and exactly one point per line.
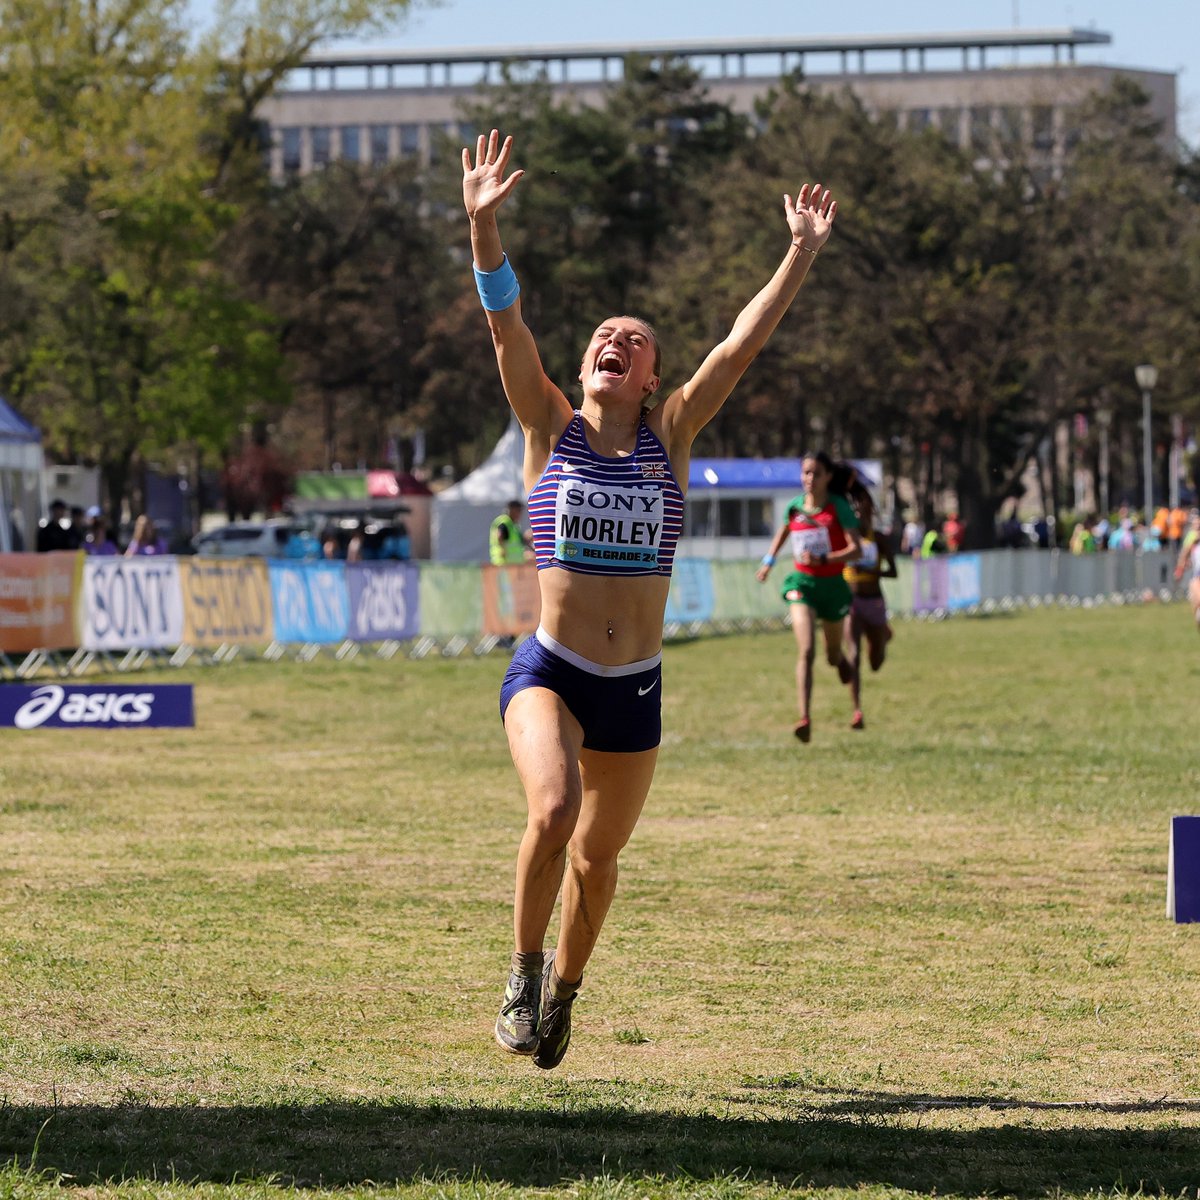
x=823, y=530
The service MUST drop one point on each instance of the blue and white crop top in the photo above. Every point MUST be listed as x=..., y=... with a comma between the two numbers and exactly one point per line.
x=606, y=516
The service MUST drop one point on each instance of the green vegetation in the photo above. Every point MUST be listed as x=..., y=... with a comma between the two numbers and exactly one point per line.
x=930, y=958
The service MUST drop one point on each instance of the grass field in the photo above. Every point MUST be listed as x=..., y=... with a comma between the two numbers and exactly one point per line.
x=931, y=957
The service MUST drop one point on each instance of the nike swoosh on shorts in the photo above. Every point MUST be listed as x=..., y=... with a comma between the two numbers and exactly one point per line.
x=643, y=691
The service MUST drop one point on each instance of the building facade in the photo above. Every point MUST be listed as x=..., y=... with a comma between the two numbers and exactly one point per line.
x=378, y=106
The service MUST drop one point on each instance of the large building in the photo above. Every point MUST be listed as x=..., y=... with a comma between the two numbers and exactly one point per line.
x=376, y=105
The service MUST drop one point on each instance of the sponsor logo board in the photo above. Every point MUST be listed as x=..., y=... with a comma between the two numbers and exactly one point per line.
x=96, y=706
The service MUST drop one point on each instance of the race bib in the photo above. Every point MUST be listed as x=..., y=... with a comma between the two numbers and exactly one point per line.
x=814, y=540
x=618, y=528
x=870, y=557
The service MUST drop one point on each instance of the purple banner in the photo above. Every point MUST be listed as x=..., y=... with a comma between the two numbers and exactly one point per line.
x=384, y=601
x=96, y=706
x=931, y=584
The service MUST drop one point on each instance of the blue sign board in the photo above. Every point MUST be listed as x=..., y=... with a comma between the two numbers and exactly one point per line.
x=96, y=706
x=691, y=597
x=310, y=601
x=1183, y=870
x=383, y=601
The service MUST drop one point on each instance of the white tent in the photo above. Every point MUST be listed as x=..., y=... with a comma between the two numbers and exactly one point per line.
x=463, y=513
x=21, y=466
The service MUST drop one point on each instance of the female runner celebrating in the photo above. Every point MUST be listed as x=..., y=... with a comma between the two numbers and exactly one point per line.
x=868, y=617
x=824, y=534
x=581, y=701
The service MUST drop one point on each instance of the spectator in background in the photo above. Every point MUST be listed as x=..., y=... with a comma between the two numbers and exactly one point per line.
x=77, y=528
x=911, y=536
x=1083, y=540
x=1100, y=531
x=1177, y=521
x=1011, y=535
x=1123, y=536
x=931, y=544
x=145, y=540
x=52, y=529
x=98, y=541
x=354, y=547
x=508, y=543
x=953, y=531
x=1148, y=538
x=331, y=542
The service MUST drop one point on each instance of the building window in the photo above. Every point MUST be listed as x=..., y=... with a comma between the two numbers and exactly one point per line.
x=981, y=128
x=948, y=121
x=1043, y=127
x=919, y=119
x=410, y=140
x=379, y=144
x=440, y=132
x=1012, y=125
x=290, y=141
x=351, y=149
x=322, y=145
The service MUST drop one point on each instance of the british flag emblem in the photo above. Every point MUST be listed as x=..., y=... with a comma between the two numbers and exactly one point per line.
x=653, y=470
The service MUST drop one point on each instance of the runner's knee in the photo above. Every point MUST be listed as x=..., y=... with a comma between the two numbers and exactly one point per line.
x=552, y=818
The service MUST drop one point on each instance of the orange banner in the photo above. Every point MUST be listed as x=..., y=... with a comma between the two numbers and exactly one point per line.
x=511, y=601
x=37, y=600
x=226, y=600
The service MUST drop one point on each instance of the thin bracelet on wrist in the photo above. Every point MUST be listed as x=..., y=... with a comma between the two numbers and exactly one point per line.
x=802, y=246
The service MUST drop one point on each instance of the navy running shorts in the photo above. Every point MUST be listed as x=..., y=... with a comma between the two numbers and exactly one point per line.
x=619, y=708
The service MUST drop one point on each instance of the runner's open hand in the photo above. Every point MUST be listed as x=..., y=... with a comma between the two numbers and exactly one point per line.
x=811, y=218
x=484, y=185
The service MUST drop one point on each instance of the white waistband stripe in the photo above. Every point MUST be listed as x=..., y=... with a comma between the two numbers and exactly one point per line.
x=586, y=664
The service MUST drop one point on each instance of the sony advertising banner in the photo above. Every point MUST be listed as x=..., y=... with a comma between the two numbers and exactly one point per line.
x=131, y=603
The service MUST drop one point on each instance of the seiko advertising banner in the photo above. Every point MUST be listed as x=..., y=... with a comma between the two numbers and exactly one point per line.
x=37, y=600
x=383, y=601
x=96, y=706
x=131, y=603
x=310, y=600
x=226, y=601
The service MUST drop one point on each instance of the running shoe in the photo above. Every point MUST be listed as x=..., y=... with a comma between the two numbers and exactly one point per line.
x=803, y=729
x=556, y=1023
x=517, y=1024
x=856, y=721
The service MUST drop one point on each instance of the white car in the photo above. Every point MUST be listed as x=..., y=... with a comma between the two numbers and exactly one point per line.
x=261, y=539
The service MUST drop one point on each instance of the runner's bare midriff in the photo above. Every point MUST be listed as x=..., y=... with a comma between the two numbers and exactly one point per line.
x=578, y=610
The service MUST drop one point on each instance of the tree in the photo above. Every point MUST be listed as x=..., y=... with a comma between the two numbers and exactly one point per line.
x=124, y=161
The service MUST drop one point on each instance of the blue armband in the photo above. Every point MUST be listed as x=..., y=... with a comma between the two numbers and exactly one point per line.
x=768, y=560
x=498, y=289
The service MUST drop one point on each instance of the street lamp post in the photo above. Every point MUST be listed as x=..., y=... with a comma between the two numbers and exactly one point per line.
x=1104, y=420
x=1146, y=375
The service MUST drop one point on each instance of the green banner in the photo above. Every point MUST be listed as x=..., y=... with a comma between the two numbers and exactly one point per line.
x=451, y=600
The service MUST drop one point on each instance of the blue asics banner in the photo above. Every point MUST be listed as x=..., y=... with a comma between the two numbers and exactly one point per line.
x=96, y=706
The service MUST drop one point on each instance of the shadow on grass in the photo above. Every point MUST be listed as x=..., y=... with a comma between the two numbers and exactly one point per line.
x=337, y=1144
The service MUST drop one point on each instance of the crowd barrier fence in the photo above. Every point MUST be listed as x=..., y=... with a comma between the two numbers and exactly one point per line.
x=67, y=613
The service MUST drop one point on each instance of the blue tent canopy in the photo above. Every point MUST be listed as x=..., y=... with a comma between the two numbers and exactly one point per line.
x=766, y=474
x=771, y=474
x=14, y=427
